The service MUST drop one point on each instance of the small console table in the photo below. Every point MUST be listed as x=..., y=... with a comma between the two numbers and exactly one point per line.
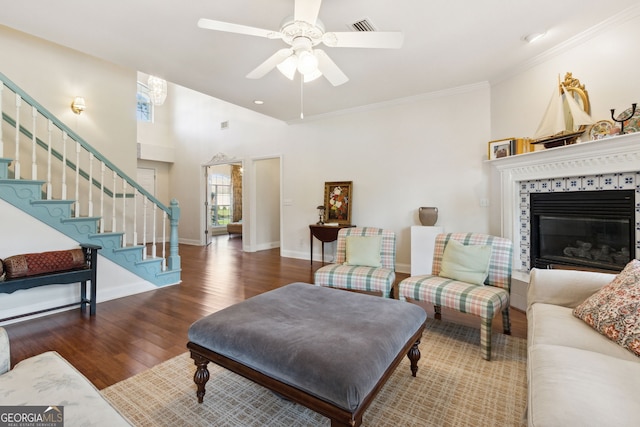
x=324, y=233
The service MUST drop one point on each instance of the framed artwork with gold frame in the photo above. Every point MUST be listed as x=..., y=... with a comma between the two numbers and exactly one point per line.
x=338, y=197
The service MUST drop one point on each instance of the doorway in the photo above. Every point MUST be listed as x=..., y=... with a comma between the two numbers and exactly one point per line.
x=223, y=199
x=266, y=203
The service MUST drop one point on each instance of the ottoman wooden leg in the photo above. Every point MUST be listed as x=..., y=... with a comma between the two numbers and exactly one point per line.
x=201, y=376
x=414, y=356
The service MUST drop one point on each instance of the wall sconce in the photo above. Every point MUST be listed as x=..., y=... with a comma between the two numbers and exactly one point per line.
x=78, y=105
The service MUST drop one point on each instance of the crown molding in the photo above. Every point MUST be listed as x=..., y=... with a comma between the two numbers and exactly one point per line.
x=398, y=101
x=581, y=38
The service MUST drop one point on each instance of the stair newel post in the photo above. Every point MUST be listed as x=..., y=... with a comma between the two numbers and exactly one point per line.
x=1, y=140
x=77, y=183
x=16, y=161
x=164, y=241
x=145, y=205
x=34, y=164
x=49, y=143
x=90, y=212
x=154, y=229
x=64, y=165
x=174, y=213
x=124, y=212
x=135, y=216
x=113, y=204
x=103, y=168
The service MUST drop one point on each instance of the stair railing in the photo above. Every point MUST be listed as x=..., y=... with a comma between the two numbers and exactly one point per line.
x=71, y=165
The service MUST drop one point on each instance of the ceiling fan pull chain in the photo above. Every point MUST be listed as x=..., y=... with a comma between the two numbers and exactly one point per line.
x=301, y=97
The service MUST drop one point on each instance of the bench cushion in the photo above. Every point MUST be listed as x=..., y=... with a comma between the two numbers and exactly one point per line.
x=43, y=262
x=333, y=344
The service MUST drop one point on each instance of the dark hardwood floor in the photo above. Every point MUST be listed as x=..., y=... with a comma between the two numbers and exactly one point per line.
x=132, y=334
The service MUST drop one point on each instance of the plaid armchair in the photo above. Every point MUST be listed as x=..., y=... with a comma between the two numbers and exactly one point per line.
x=483, y=301
x=359, y=277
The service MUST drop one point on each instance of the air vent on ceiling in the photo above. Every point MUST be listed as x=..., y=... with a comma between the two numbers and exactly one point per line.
x=363, y=25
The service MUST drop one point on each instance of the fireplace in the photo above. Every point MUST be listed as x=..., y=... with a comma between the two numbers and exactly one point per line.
x=609, y=164
x=592, y=230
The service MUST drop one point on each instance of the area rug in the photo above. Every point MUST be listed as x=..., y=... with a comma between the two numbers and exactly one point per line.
x=454, y=387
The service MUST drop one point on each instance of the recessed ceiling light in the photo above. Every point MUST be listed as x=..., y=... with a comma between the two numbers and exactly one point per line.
x=530, y=38
x=258, y=102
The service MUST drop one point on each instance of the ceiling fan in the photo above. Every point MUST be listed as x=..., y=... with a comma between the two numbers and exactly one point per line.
x=302, y=33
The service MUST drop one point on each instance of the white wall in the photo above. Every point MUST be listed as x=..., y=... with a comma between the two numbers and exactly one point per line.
x=425, y=151
x=54, y=75
x=603, y=62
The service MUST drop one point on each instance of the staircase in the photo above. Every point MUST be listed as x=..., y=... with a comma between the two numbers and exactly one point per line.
x=104, y=209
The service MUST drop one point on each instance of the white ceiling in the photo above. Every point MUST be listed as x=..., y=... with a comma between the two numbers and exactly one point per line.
x=447, y=43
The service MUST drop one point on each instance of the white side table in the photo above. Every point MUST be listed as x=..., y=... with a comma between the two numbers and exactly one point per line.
x=422, y=244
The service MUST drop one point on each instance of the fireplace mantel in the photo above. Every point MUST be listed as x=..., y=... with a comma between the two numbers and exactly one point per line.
x=612, y=155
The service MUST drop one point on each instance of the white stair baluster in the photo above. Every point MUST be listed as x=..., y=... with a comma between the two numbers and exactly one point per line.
x=90, y=213
x=124, y=212
x=135, y=216
x=16, y=160
x=64, y=165
x=49, y=143
x=153, y=236
x=113, y=207
x=102, y=170
x=77, y=210
x=34, y=164
x=144, y=227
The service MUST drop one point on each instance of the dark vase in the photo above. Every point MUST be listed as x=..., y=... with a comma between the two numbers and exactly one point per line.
x=428, y=216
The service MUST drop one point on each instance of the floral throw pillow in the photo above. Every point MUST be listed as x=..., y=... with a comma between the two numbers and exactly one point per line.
x=614, y=310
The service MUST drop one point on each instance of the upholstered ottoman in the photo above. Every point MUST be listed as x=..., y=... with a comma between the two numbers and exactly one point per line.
x=327, y=349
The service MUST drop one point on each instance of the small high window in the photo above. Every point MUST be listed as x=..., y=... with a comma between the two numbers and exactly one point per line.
x=144, y=109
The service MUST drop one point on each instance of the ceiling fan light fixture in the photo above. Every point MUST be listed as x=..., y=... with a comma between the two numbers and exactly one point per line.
x=309, y=77
x=288, y=67
x=307, y=62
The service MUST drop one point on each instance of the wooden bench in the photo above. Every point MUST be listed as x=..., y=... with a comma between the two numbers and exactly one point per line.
x=327, y=349
x=87, y=272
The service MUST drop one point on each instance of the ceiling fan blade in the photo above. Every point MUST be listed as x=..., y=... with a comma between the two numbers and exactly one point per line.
x=367, y=39
x=329, y=68
x=307, y=11
x=271, y=62
x=227, y=27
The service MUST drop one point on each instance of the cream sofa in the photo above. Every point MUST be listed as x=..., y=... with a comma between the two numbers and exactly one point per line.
x=576, y=376
x=49, y=380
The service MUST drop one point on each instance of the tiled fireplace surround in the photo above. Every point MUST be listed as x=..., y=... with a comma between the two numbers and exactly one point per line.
x=608, y=164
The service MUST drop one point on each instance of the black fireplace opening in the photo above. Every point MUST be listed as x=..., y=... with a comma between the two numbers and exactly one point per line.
x=591, y=230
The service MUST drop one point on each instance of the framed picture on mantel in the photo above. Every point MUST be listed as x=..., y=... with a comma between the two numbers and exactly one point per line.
x=501, y=148
x=338, y=197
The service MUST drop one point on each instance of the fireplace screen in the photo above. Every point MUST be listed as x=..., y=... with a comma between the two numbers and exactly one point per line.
x=586, y=229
